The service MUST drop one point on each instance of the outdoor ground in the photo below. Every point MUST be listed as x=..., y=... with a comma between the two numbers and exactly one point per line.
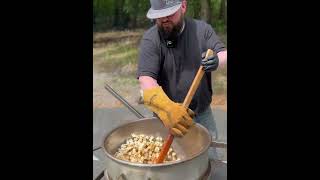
x=115, y=56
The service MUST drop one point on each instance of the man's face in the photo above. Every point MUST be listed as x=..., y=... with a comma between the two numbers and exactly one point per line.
x=171, y=25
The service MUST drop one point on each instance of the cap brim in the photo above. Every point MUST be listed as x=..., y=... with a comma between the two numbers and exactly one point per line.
x=155, y=14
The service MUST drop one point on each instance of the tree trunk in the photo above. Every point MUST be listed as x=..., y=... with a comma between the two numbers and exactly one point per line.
x=222, y=13
x=225, y=12
x=210, y=14
x=118, y=13
x=196, y=9
x=205, y=10
x=135, y=13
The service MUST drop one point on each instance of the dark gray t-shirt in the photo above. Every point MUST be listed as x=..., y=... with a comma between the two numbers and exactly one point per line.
x=175, y=68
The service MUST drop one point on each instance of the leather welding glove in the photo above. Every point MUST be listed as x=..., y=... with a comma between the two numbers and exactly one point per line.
x=173, y=115
x=209, y=64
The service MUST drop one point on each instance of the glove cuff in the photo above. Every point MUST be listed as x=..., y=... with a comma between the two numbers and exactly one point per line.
x=156, y=97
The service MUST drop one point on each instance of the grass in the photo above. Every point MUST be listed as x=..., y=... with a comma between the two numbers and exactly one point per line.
x=124, y=57
x=126, y=80
x=119, y=57
x=220, y=86
x=219, y=81
x=126, y=85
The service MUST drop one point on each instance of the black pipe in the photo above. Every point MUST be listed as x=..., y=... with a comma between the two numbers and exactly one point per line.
x=124, y=102
x=100, y=176
x=96, y=148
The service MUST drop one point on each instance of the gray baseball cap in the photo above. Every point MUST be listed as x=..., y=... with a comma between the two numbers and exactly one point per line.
x=163, y=8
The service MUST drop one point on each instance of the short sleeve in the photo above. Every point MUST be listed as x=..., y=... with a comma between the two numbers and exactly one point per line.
x=149, y=59
x=212, y=40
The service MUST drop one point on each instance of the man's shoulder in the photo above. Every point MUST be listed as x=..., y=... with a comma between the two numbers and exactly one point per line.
x=151, y=33
x=200, y=23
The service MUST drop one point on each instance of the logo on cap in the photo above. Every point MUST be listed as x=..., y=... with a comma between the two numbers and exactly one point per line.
x=168, y=2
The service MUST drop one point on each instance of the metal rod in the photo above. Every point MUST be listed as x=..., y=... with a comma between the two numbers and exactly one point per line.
x=218, y=144
x=96, y=148
x=100, y=176
x=124, y=102
x=131, y=108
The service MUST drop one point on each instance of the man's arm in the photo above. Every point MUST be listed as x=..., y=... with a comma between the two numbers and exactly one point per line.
x=180, y=119
x=213, y=42
x=154, y=98
x=147, y=82
x=222, y=55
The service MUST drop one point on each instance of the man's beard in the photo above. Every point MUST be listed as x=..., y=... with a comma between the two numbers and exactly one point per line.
x=173, y=33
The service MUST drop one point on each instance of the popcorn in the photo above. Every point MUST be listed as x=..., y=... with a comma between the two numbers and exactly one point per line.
x=143, y=149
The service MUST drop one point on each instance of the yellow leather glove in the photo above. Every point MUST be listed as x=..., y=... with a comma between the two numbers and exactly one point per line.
x=173, y=115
